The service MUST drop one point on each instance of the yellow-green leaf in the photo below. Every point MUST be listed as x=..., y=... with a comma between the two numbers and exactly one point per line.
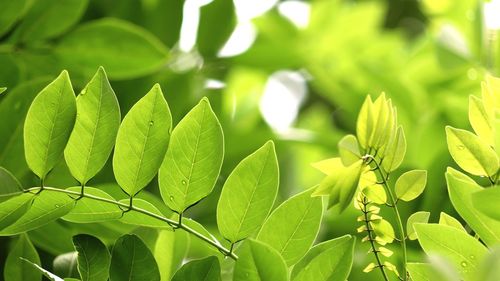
x=395, y=152
x=418, y=217
x=349, y=150
x=480, y=120
x=411, y=184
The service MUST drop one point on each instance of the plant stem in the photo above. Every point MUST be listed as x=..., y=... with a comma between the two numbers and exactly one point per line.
x=172, y=223
x=370, y=238
x=394, y=207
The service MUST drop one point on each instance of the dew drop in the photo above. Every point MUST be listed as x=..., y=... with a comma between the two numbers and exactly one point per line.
x=151, y=123
x=56, y=205
x=183, y=182
x=460, y=147
x=171, y=198
x=83, y=92
x=472, y=257
x=463, y=264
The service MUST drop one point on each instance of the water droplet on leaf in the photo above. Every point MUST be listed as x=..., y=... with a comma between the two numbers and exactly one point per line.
x=151, y=123
x=183, y=182
x=460, y=147
x=463, y=264
x=56, y=205
x=171, y=198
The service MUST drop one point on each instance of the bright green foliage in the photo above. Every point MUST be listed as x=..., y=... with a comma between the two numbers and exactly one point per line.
x=395, y=151
x=131, y=260
x=49, y=275
x=459, y=248
x=50, y=18
x=48, y=125
x=328, y=261
x=293, y=226
x=448, y=220
x=418, y=217
x=9, y=185
x=142, y=142
x=15, y=269
x=481, y=120
x=411, y=184
x=46, y=207
x=14, y=208
x=429, y=272
x=471, y=153
x=87, y=210
x=110, y=43
x=341, y=185
x=93, y=258
x=460, y=189
x=96, y=126
x=217, y=21
x=248, y=194
x=383, y=229
x=194, y=158
x=486, y=201
x=169, y=251
x=375, y=193
x=349, y=150
x=207, y=269
x=259, y=262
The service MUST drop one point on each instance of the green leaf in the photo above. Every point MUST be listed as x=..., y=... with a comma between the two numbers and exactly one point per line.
x=341, y=185
x=429, y=272
x=131, y=260
x=471, y=153
x=2, y=89
x=383, y=229
x=365, y=123
x=328, y=261
x=47, y=206
x=14, y=208
x=193, y=160
x=480, y=120
x=48, y=125
x=418, y=217
x=489, y=269
x=207, y=269
x=259, y=262
x=328, y=166
x=448, y=220
x=9, y=185
x=486, y=201
x=375, y=193
x=142, y=142
x=123, y=49
x=50, y=18
x=460, y=189
x=292, y=227
x=11, y=11
x=217, y=21
x=137, y=218
x=248, y=194
x=460, y=249
x=15, y=269
x=169, y=251
x=395, y=151
x=96, y=126
x=51, y=276
x=411, y=184
x=89, y=210
x=93, y=258
x=349, y=150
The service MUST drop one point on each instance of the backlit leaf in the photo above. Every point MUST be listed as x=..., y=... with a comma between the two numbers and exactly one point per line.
x=131, y=260
x=448, y=220
x=486, y=201
x=138, y=218
x=365, y=123
x=248, y=194
x=15, y=269
x=193, y=160
x=14, y=208
x=89, y=210
x=328, y=261
x=349, y=150
x=48, y=125
x=411, y=184
x=460, y=249
x=383, y=229
x=207, y=269
x=480, y=120
x=292, y=227
x=93, y=258
x=395, y=151
x=471, y=153
x=418, y=217
x=9, y=185
x=142, y=142
x=96, y=126
x=259, y=262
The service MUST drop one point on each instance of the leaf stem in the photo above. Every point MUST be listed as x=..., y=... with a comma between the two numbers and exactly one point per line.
x=216, y=244
x=394, y=207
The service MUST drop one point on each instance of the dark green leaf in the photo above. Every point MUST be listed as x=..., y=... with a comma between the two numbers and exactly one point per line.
x=93, y=258
x=9, y=185
x=15, y=269
x=51, y=276
x=11, y=11
x=131, y=260
x=48, y=125
x=14, y=208
x=125, y=50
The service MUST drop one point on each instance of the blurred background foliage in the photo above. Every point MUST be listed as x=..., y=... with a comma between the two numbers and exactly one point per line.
x=292, y=71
